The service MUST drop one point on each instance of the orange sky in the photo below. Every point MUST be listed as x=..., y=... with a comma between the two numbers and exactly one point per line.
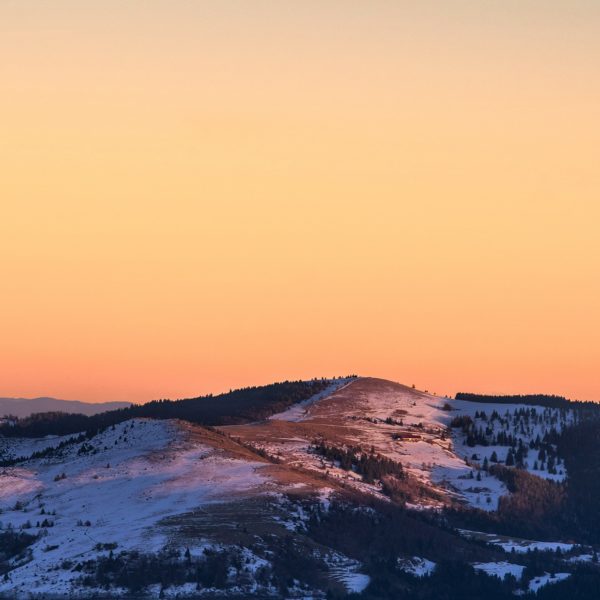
x=202, y=195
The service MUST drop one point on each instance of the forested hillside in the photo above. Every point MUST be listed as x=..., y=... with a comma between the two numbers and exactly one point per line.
x=237, y=406
x=547, y=400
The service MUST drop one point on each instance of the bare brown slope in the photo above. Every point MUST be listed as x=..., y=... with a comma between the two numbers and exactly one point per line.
x=373, y=414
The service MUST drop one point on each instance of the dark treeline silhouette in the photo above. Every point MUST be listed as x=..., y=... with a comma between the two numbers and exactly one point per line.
x=378, y=538
x=389, y=531
x=135, y=571
x=237, y=406
x=13, y=544
x=548, y=400
x=580, y=446
x=535, y=505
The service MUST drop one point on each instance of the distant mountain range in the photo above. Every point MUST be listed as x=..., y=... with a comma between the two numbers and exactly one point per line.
x=23, y=407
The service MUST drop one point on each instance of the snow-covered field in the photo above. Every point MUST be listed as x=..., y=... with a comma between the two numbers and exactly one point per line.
x=11, y=448
x=347, y=571
x=503, y=569
x=539, y=582
x=417, y=566
x=500, y=569
x=525, y=422
x=517, y=545
x=118, y=492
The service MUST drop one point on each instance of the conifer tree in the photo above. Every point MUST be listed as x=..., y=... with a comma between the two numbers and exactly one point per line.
x=510, y=458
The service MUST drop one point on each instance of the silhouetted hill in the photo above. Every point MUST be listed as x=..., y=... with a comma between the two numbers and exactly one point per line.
x=237, y=406
x=23, y=407
x=530, y=399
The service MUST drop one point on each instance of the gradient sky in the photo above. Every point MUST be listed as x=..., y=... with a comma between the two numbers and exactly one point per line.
x=203, y=195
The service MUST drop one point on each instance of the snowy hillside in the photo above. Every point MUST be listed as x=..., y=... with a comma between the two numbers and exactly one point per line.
x=412, y=427
x=82, y=509
x=113, y=490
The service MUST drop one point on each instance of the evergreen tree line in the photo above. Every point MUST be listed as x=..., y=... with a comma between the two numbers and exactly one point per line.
x=50, y=452
x=548, y=400
x=13, y=546
x=135, y=571
x=580, y=447
x=235, y=407
x=379, y=537
x=371, y=466
x=536, y=508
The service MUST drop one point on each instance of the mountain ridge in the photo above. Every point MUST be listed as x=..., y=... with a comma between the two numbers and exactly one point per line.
x=346, y=488
x=24, y=407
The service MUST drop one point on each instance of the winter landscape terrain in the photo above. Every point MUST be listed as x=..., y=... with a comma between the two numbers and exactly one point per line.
x=352, y=487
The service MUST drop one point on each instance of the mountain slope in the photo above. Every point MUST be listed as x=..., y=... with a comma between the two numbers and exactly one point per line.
x=341, y=492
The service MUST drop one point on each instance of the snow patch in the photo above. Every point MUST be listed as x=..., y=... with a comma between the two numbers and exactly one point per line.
x=539, y=582
x=417, y=566
x=500, y=569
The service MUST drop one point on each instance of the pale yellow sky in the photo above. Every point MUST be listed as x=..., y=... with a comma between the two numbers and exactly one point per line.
x=202, y=195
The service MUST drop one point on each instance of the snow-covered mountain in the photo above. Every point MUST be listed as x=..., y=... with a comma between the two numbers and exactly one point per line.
x=305, y=503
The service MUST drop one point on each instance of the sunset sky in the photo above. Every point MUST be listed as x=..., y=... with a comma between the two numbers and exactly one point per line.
x=198, y=195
